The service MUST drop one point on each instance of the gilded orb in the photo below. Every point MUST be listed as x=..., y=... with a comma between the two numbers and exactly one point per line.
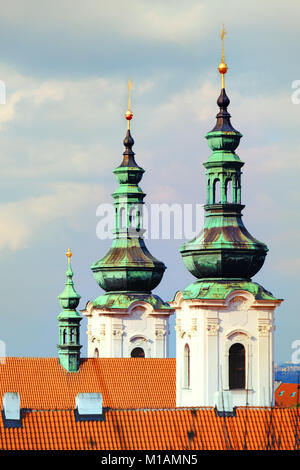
x=128, y=115
x=223, y=68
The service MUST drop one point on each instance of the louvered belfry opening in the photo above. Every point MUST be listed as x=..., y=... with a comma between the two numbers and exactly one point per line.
x=237, y=366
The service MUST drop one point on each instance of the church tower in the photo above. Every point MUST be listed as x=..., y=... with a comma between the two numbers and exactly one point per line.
x=69, y=324
x=128, y=320
x=224, y=320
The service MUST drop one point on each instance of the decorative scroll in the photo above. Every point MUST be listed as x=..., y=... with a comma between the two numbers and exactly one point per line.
x=264, y=327
x=212, y=326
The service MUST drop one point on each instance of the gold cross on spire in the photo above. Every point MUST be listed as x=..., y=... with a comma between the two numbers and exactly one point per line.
x=223, y=34
x=129, y=113
x=223, y=66
x=129, y=97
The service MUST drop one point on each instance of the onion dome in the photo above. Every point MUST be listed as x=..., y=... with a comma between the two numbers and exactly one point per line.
x=224, y=249
x=128, y=266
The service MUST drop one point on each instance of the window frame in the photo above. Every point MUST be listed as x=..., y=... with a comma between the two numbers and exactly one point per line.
x=237, y=360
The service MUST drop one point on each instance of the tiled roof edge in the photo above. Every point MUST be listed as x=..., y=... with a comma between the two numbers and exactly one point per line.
x=191, y=408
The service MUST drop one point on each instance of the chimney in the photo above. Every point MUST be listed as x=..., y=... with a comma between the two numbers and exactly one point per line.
x=223, y=403
x=11, y=406
x=88, y=404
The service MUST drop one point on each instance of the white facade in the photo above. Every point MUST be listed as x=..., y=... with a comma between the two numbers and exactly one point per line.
x=210, y=328
x=117, y=332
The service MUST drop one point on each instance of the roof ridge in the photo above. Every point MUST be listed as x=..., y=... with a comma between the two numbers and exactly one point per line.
x=179, y=408
x=146, y=359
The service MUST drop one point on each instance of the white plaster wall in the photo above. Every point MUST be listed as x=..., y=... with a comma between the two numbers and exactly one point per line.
x=188, y=324
x=116, y=334
x=210, y=328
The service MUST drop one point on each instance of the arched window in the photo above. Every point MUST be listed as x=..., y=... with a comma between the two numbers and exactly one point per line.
x=238, y=189
x=208, y=192
x=122, y=217
x=133, y=216
x=237, y=366
x=229, y=192
x=217, y=192
x=138, y=352
x=186, y=367
x=64, y=336
x=72, y=335
x=96, y=353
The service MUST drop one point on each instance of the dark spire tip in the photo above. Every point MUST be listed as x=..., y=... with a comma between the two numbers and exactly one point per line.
x=223, y=101
x=128, y=141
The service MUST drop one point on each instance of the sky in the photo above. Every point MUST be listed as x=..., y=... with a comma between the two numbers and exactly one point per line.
x=65, y=65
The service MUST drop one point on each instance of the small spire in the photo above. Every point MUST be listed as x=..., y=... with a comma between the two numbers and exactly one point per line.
x=223, y=117
x=69, y=293
x=69, y=272
x=223, y=66
x=129, y=113
x=69, y=323
x=128, y=142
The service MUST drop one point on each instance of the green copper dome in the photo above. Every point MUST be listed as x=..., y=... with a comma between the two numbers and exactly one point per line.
x=128, y=266
x=69, y=299
x=224, y=249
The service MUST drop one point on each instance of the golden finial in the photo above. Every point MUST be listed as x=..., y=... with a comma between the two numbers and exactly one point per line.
x=223, y=66
x=129, y=113
x=69, y=254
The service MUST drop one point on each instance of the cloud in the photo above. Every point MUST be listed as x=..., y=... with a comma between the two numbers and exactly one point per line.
x=256, y=113
x=163, y=194
x=288, y=265
x=169, y=21
x=143, y=19
x=59, y=128
x=185, y=105
x=8, y=110
x=30, y=99
x=279, y=157
x=24, y=221
x=57, y=101
x=64, y=128
x=21, y=160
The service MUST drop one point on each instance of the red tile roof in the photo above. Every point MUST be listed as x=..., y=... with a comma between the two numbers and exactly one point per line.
x=176, y=429
x=287, y=395
x=124, y=383
x=139, y=397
